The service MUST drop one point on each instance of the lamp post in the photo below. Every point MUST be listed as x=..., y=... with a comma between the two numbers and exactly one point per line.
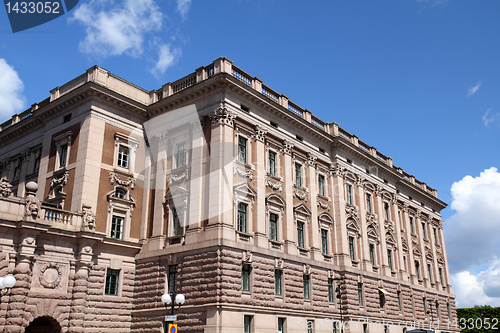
x=168, y=300
x=7, y=283
x=339, y=296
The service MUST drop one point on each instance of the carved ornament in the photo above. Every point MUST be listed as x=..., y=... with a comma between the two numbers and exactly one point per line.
x=113, y=178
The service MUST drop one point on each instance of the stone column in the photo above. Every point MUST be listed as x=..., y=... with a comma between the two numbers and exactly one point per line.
x=261, y=237
x=364, y=250
x=341, y=246
x=435, y=266
x=314, y=230
x=446, y=271
x=15, y=316
x=384, y=261
x=196, y=178
x=221, y=174
x=289, y=237
x=423, y=263
x=398, y=253
x=411, y=259
x=79, y=300
x=159, y=149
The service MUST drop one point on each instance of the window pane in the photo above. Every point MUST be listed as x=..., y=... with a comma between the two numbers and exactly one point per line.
x=178, y=219
x=372, y=254
x=349, y=194
x=242, y=149
x=386, y=211
x=245, y=281
x=351, y=247
x=111, y=286
x=389, y=257
x=360, y=294
x=172, y=278
x=368, y=203
x=123, y=156
x=331, y=298
x=324, y=241
x=306, y=286
x=272, y=163
x=277, y=281
x=247, y=321
x=181, y=155
x=117, y=227
x=242, y=217
x=300, y=234
x=298, y=174
x=321, y=184
x=63, y=152
x=281, y=325
x=273, y=227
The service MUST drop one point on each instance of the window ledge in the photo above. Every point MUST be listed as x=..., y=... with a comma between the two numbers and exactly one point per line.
x=274, y=177
x=276, y=244
x=244, y=236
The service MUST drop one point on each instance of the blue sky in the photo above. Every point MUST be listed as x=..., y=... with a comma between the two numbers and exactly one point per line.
x=417, y=79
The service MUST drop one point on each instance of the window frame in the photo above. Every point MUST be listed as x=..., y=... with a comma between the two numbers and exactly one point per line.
x=298, y=174
x=273, y=236
x=246, y=275
x=172, y=278
x=301, y=242
x=368, y=202
x=243, y=227
x=306, y=286
x=348, y=193
x=278, y=282
x=112, y=274
x=324, y=241
x=125, y=141
x=180, y=155
x=242, y=149
x=112, y=233
x=322, y=185
x=360, y=295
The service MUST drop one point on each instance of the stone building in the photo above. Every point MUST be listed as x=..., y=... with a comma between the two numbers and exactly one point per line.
x=217, y=187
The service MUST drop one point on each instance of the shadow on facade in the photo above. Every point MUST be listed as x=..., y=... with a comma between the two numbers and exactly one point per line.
x=43, y=325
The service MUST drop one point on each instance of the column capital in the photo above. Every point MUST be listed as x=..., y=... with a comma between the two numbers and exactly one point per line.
x=222, y=116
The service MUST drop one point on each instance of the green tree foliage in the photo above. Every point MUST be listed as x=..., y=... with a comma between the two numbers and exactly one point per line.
x=480, y=319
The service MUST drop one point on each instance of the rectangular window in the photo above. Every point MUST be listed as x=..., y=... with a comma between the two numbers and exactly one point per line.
x=278, y=274
x=424, y=231
x=172, y=278
x=273, y=227
x=281, y=325
x=247, y=324
x=298, y=175
x=360, y=294
x=17, y=168
x=412, y=227
x=272, y=163
x=63, y=152
x=321, y=185
x=245, y=276
x=425, y=307
x=448, y=309
x=435, y=236
x=389, y=258
x=348, y=188
x=417, y=269
x=242, y=217
x=324, y=241
x=437, y=309
x=331, y=297
x=372, y=254
x=123, y=156
x=381, y=299
x=351, y=248
x=178, y=218
x=117, y=227
x=300, y=234
x=399, y=301
x=35, y=164
x=180, y=157
x=368, y=202
x=386, y=211
x=305, y=281
x=112, y=280
x=429, y=270
x=242, y=149
x=441, y=276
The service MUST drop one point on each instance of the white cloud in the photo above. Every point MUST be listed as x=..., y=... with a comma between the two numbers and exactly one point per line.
x=489, y=117
x=472, y=239
x=116, y=28
x=166, y=58
x=183, y=7
x=479, y=289
x=11, y=91
x=474, y=89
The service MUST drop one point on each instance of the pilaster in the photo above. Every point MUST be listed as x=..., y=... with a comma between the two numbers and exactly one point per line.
x=260, y=238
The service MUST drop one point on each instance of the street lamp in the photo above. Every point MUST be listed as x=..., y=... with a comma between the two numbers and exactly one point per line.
x=339, y=296
x=8, y=282
x=166, y=299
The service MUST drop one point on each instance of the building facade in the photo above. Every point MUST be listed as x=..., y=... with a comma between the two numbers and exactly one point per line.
x=215, y=186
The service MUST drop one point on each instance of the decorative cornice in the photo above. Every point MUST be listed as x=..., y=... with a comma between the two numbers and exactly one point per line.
x=278, y=186
x=287, y=147
x=237, y=172
x=113, y=178
x=222, y=116
x=260, y=133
